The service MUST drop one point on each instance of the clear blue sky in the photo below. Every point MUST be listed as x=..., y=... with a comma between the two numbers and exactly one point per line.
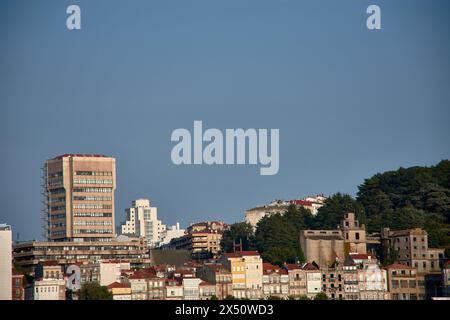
x=349, y=102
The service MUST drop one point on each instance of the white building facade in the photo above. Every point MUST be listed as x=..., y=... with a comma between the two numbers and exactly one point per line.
x=142, y=221
x=5, y=262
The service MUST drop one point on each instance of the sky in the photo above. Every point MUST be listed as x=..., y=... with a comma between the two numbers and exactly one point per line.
x=349, y=102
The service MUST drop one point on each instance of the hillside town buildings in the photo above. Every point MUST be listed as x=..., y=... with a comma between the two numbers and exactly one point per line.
x=342, y=263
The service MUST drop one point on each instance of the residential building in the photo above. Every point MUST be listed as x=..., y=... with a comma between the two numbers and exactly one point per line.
x=246, y=272
x=412, y=249
x=404, y=283
x=372, y=282
x=49, y=270
x=297, y=281
x=191, y=288
x=446, y=279
x=171, y=232
x=79, y=198
x=206, y=290
x=275, y=281
x=147, y=284
x=350, y=281
x=142, y=221
x=174, y=289
x=27, y=255
x=104, y=272
x=333, y=281
x=46, y=289
x=18, y=284
x=217, y=274
x=202, y=240
x=313, y=280
x=5, y=262
x=120, y=291
x=311, y=203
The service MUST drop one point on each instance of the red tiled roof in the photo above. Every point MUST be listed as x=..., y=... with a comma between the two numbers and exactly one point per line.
x=309, y=266
x=292, y=266
x=360, y=256
x=270, y=269
x=303, y=202
x=241, y=254
x=118, y=285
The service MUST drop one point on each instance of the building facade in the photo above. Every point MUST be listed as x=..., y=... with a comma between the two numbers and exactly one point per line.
x=28, y=255
x=412, y=249
x=246, y=272
x=79, y=198
x=142, y=221
x=5, y=262
x=404, y=283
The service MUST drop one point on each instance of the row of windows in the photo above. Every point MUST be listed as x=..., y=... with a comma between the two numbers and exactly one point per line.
x=92, y=223
x=55, y=183
x=92, y=181
x=92, y=206
x=46, y=289
x=88, y=231
x=92, y=214
x=92, y=198
x=97, y=190
x=55, y=174
x=54, y=208
x=58, y=225
x=58, y=191
x=58, y=216
x=93, y=173
x=58, y=233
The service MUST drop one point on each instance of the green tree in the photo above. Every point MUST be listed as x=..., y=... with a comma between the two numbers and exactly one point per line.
x=321, y=296
x=277, y=236
x=409, y=198
x=94, y=291
x=237, y=232
x=334, y=209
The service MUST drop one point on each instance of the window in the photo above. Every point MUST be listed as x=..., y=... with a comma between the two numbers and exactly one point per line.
x=357, y=235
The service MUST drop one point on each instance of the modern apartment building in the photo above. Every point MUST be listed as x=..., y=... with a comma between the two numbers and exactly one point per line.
x=79, y=198
x=28, y=255
x=5, y=262
x=201, y=239
x=142, y=221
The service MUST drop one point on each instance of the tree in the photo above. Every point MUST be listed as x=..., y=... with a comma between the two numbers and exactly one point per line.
x=332, y=212
x=277, y=236
x=321, y=296
x=237, y=232
x=94, y=291
x=409, y=198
